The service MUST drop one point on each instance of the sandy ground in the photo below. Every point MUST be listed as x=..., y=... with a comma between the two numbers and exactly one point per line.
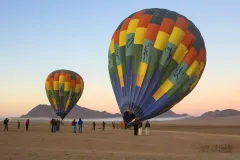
x=190, y=139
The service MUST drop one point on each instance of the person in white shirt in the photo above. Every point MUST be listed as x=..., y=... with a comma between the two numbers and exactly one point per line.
x=140, y=128
x=147, y=128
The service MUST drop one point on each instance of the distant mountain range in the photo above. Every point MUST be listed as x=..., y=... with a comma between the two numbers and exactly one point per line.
x=223, y=113
x=43, y=110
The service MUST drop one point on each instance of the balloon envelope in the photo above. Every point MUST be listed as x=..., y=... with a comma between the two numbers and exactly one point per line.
x=156, y=58
x=64, y=88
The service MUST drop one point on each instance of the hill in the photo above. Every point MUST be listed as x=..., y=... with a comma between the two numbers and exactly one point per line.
x=223, y=113
x=43, y=110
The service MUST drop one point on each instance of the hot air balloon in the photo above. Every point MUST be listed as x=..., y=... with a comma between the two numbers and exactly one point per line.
x=63, y=88
x=156, y=58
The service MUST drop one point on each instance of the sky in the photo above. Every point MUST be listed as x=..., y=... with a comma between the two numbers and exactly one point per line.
x=38, y=37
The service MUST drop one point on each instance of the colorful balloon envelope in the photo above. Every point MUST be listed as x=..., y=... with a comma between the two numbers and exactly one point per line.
x=156, y=58
x=64, y=88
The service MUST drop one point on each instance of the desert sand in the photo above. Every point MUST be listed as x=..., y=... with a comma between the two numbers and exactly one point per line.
x=188, y=139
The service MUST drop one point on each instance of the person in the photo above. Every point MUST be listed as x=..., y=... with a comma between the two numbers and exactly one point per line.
x=135, y=129
x=55, y=125
x=74, y=123
x=94, y=125
x=113, y=125
x=58, y=125
x=140, y=128
x=27, y=124
x=5, y=122
x=18, y=125
x=51, y=123
x=80, y=122
x=147, y=128
x=103, y=125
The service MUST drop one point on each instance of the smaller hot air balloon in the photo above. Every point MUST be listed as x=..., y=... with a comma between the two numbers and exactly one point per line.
x=63, y=88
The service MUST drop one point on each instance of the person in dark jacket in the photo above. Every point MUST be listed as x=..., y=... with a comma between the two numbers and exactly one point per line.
x=135, y=129
x=94, y=125
x=147, y=128
x=80, y=122
x=74, y=124
x=53, y=122
x=140, y=128
x=55, y=125
x=113, y=125
x=58, y=125
x=5, y=122
x=18, y=125
x=27, y=124
x=103, y=125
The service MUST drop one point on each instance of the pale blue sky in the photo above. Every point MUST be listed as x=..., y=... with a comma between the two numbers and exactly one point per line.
x=37, y=37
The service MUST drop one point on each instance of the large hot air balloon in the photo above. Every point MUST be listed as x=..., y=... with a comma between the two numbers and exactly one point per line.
x=156, y=58
x=64, y=88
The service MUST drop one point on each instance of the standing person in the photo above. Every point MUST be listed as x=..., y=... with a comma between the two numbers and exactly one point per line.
x=140, y=128
x=147, y=128
x=51, y=123
x=135, y=129
x=18, y=125
x=113, y=125
x=74, y=123
x=80, y=122
x=103, y=125
x=94, y=125
x=27, y=124
x=55, y=125
x=58, y=125
x=5, y=122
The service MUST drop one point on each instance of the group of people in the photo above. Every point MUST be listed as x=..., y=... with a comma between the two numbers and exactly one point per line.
x=102, y=127
x=55, y=125
x=80, y=125
x=138, y=128
x=6, y=121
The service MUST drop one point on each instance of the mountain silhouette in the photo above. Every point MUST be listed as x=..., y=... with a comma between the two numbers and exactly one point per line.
x=43, y=110
x=223, y=113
